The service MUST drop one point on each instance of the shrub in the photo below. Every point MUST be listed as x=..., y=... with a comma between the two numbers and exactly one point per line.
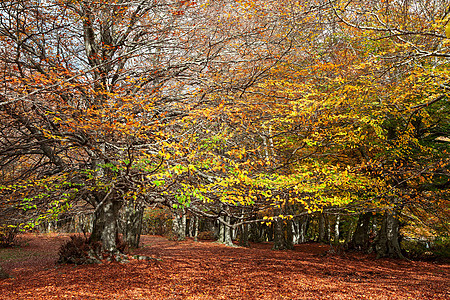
x=415, y=249
x=8, y=235
x=79, y=251
x=206, y=235
x=441, y=248
x=3, y=274
x=423, y=249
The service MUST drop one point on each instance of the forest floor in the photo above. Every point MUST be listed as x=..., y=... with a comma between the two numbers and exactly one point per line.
x=207, y=270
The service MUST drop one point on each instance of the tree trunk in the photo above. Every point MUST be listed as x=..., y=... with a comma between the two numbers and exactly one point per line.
x=283, y=237
x=196, y=220
x=336, y=229
x=360, y=240
x=295, y=231
x=387, y=241
x=254, y=233
x=179, y=225
x=191, y=226
x=224, y=231
x=243, y=239
x=133, y=224
x=323, y=234
x=105, y=228
x=227, y=231
x=299, y=229
x=349, y=233
x=221, y=231
x=303, y=223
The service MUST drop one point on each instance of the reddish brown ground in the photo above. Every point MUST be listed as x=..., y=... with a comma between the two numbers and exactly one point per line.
x=207, y=270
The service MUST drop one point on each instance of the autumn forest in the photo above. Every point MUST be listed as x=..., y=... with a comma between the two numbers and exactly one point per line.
x=271, y=124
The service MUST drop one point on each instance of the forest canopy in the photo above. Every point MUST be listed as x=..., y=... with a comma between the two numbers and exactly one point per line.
x=238, y=111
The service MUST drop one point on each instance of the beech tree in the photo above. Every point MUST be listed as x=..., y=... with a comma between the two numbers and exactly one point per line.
x=239, y=111
x=91, y=91
x=101, y=100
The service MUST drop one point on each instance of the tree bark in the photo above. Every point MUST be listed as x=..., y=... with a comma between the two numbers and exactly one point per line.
x=133, y=224
x=360, y=240
x=304, y=224
x=179, y=225
x=221, y=231
x=323, y=228
x=299, y=229
x=243, y=238
x=105, y=228
x=336, y=229
x=191, y=226
x=387, y=241
x=224, y=231
x=196, y=220
x=105, y=224
x=283, y=237
x=227, y=232
x=254, y=233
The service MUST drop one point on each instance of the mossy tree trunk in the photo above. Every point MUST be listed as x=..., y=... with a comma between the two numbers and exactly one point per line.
x=387, y=242
x=283, y=236
x=225, y=231
x=105, y=229
x=179, y=224
x=360, y=239
x=243, y=238
x=132, y=230
x=323, y=228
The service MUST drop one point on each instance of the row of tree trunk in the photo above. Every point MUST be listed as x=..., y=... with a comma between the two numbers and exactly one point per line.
x=379, y=233
x=368, y=233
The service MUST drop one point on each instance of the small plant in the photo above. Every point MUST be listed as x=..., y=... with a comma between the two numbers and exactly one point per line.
x=206, y=235
x=441, y=248
x=8, y=236
x=422, y=249
x=416, y=249
x=79, y=251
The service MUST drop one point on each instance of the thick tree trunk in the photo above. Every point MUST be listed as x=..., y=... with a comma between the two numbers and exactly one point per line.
x=323, y=228
x=243, y=238
x=299, y=229
x=191, y=227
x=221, y=231
x=254, y=233
x=105, y=228
x=224, y=231
x=133, y=224
x=387, y=241
x=360, y=240
x=228, y=233
x=283, y=237
x=179, y=225
x=303, y=223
